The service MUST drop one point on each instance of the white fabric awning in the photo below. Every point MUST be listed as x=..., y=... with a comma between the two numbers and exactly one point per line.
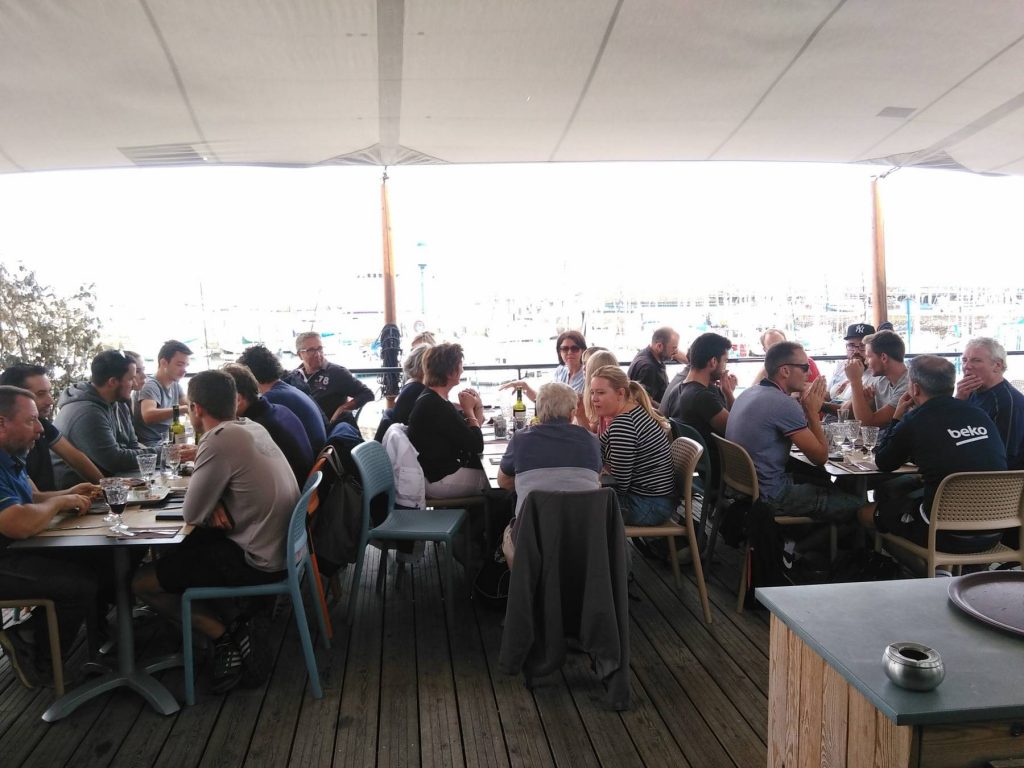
x=110, y=83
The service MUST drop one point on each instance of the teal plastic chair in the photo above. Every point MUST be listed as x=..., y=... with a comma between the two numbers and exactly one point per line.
x=298, y=562
x=435, y=525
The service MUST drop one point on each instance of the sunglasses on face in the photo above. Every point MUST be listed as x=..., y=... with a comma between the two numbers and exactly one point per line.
x=805, y=367
x=573, y=348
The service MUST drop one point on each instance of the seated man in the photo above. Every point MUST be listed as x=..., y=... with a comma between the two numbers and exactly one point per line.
x=875, y=404
x=771, y=337
x=268, y=372
x=932, y=435
x=24, y=512
x=705, y=397
x=240, y=499
x=839, y=385
x=162, y=393
x=90, y=418
x=332, y=387
x=284, y=426
x=767, y=422
x=554, y=455
x=648, y=367
x=983, y=385
x=38, y=463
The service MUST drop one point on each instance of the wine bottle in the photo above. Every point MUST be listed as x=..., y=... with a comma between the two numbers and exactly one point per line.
x=177, y=429
x=519, y=410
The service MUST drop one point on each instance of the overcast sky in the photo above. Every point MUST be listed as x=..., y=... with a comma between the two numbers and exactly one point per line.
x=274, y=238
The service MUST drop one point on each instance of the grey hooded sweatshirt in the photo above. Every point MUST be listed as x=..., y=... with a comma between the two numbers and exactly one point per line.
x=100, y=430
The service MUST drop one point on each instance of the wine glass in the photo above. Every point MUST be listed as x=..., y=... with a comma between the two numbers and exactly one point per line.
x=117, y=498
x=105, y=483
x=870, y=437
x=852, y=432
x=147, y=463
x=172, y=457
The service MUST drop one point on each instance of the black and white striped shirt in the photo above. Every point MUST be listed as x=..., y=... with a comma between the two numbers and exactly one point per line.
x=636, y=451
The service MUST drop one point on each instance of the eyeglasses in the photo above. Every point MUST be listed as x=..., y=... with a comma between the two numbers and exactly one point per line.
x=853, y=345
x=805, y=367
x=311, y=349
x=573, y=348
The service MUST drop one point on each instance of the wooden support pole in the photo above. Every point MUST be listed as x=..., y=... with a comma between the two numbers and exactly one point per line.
x=879, y=303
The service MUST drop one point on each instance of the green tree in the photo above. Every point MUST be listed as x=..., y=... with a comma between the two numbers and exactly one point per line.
x=38, y=326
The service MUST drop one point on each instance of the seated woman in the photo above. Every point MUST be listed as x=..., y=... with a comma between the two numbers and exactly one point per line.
x=569, y=346
x=449, y=443
x=585, y=415
x=412, y=368
x=554, y=455
x=635, y=448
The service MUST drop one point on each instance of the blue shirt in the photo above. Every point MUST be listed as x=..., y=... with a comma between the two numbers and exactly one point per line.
x=576, y=382
x=14, y=485
x=302, y=405
x=1004, y=404
x=553, y=456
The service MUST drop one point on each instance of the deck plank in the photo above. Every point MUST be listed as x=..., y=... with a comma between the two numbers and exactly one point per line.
x=439, y=729
x=357, y=717
x=399, y=726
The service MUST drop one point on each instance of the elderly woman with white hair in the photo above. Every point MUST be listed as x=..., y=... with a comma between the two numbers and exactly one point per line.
x=412, y=370
x=554, y=455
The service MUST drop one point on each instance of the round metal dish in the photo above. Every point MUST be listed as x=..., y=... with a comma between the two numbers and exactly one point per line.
x=913, y=666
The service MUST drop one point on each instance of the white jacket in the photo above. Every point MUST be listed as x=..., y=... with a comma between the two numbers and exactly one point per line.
x=410, y=484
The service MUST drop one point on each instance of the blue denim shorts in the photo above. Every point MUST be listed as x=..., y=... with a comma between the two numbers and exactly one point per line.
x=645, y=510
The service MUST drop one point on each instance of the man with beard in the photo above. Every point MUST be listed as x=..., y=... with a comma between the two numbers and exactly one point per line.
x=875, y=405
x=38, y=462
x=89, y=417
x=839, y=385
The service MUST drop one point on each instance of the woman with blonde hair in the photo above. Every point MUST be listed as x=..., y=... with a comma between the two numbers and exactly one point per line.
x=635, y=447
x=585, y=415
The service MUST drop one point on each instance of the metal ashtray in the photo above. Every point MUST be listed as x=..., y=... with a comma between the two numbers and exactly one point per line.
x=913, y=666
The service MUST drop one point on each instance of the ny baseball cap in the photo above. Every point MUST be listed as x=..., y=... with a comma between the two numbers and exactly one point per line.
x=858, y=331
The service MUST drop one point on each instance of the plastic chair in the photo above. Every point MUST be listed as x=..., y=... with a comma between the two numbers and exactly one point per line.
x=969, y=502
x=325, y=456
x=738, y=473
x=52, y=630
x=706, y=484
x=685, y=455
x=437, y=525
x=298, y=561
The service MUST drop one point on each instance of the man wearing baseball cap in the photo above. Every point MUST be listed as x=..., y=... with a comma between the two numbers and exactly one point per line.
x=839, y=386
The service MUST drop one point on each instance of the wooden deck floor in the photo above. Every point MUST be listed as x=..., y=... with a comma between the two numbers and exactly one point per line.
x=402, y=688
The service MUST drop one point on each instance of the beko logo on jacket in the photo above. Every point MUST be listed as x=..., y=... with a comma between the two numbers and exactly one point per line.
x=968, y=434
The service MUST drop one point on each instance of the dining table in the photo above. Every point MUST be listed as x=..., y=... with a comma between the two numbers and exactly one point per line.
x=148, y=525
x=854, y=468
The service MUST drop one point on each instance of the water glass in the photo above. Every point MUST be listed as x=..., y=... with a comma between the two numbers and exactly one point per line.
x=836, y=433
x=852, y=431
x=172, y=456
x=147, y=463
x=870, y=437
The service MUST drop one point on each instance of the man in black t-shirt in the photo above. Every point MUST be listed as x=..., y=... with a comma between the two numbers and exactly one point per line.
x=704, y=398
x=648, y=367
x=332, y=387
x=38, y=462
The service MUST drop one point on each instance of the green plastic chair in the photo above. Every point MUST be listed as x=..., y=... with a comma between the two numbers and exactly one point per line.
x=299, y=561
x=377, y=476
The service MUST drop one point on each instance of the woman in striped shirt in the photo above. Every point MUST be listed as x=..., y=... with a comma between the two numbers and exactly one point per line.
x=635, y=448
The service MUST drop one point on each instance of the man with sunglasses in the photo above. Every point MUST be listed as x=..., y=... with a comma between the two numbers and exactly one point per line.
x=782, y=411
x=332, y=387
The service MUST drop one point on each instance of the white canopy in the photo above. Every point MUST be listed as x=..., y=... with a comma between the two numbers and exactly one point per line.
x=109, y=83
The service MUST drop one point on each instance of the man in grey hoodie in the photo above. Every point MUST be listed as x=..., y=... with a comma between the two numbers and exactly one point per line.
x=89, y=418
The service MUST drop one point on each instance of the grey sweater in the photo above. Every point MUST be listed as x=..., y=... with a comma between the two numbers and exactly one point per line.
x=98, y=429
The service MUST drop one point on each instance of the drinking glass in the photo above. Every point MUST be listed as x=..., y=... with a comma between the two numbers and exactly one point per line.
x=172, y=456
x=117, y=498
x=105, y=483
x=870, y=437
x=852, y=432
x=147, y=463
x=837, y=433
